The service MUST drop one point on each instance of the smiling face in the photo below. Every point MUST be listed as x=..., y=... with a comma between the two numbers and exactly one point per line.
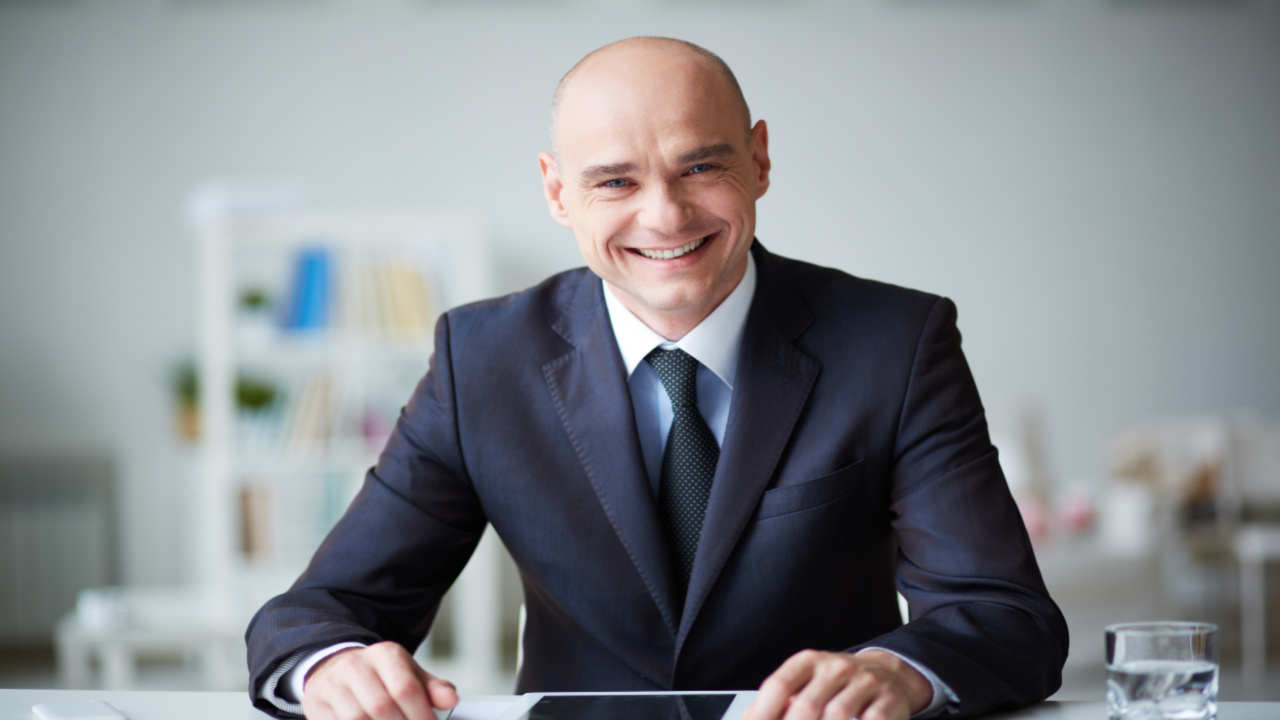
x=658, y=179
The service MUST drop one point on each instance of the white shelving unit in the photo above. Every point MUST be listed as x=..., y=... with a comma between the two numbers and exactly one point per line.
x=343, y=382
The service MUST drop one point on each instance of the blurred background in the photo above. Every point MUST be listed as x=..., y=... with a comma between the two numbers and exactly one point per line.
x=226, y=227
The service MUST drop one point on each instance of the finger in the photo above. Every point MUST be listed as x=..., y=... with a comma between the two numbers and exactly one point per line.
x=853, y=699
x=344, y=705
x=441, y=692
x=777, y=689
x=886, y=706
x=401, y=677
x=831, y=674
x=748, y=711
x=365, y=683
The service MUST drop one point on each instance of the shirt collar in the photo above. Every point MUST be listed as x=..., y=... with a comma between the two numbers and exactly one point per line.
x=714, y=342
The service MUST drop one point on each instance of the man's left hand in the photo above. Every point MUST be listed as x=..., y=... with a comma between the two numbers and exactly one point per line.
x=816, y=685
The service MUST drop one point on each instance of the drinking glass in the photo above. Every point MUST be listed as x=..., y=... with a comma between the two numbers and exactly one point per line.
x=1162, y=671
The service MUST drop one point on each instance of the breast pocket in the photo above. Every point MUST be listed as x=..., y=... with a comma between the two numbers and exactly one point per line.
x=811, y=493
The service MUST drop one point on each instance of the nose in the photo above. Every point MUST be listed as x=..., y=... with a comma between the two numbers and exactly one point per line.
x=665, y=209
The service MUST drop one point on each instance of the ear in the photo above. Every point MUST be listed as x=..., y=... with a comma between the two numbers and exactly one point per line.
x=760, y=156
x=553, y=189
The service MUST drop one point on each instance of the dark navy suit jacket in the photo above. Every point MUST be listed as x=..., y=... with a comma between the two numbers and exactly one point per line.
x=856, y=457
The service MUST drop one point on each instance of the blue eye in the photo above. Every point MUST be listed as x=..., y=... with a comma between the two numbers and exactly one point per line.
x=615, y=183
x=700, y=168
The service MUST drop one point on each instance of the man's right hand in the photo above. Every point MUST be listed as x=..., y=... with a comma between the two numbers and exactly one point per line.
x=379, y=682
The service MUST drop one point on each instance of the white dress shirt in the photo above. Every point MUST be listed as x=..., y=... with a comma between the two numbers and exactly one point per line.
x=714, y=343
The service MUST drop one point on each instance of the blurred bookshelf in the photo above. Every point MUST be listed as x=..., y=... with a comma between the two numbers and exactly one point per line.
x=314, y=330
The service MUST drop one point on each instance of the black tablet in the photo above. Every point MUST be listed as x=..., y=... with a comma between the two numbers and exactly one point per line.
x=630, y=706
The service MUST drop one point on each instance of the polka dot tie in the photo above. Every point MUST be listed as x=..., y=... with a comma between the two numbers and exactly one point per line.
x=689, y=461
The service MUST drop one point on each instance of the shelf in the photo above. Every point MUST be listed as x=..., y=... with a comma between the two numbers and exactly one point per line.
x=322, y=323
x=285, y=464
x=292, y=348
x=336, y=387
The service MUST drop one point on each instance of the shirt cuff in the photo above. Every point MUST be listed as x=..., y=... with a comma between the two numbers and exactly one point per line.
x=944, y=699
x=268, y=690
x=297, y=675
x=283, y=688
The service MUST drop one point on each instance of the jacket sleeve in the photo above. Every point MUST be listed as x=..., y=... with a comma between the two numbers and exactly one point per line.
x=380, y=573
x=981, y=618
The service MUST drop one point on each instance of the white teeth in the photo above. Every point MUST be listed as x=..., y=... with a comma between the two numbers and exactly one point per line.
x=669, y=254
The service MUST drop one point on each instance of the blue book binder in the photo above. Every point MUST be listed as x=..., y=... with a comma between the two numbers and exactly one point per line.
x=309, y=301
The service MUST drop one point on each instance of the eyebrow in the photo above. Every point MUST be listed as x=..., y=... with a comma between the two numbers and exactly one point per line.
x=706, y=153
x=594, y=173
x=600, y=172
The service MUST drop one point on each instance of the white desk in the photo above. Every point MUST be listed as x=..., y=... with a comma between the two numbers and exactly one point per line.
x=138, y=705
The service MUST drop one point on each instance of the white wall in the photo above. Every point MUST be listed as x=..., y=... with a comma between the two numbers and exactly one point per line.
x=1096, y=182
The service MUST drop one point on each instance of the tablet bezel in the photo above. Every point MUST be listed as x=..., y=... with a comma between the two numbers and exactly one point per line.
x=524, y=703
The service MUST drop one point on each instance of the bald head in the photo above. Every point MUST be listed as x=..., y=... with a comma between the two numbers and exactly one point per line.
x=631, y=59
x=657, y=173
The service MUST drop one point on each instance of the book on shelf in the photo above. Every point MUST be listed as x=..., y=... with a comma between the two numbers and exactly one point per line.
x=255, y=521
x=392, y=297
x=309, y=416
x=307, y=426
x=309, y=300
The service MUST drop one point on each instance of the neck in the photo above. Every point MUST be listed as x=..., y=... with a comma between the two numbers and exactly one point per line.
x=673, y=324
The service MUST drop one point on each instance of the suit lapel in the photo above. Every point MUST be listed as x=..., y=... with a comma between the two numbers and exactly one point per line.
x=773, y=382
x=590, y=391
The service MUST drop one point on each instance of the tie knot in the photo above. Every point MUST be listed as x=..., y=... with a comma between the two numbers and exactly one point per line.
x=678, y=372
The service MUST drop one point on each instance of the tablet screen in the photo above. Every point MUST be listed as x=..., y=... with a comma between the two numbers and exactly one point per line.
x=630, y=707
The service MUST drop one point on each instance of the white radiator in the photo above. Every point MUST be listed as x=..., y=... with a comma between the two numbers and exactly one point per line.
x=57, y=536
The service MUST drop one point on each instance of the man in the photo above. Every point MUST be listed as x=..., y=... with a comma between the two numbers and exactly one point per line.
x=709, y=462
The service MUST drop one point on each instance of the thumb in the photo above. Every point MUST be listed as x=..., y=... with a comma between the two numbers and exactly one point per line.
x=442, y=693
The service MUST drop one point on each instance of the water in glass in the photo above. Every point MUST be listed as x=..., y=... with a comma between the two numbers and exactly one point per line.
x=1162, y=690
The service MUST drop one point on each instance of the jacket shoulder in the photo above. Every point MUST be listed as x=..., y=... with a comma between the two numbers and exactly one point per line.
x=526, y=316
x=825, y=288
x=547, y=299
